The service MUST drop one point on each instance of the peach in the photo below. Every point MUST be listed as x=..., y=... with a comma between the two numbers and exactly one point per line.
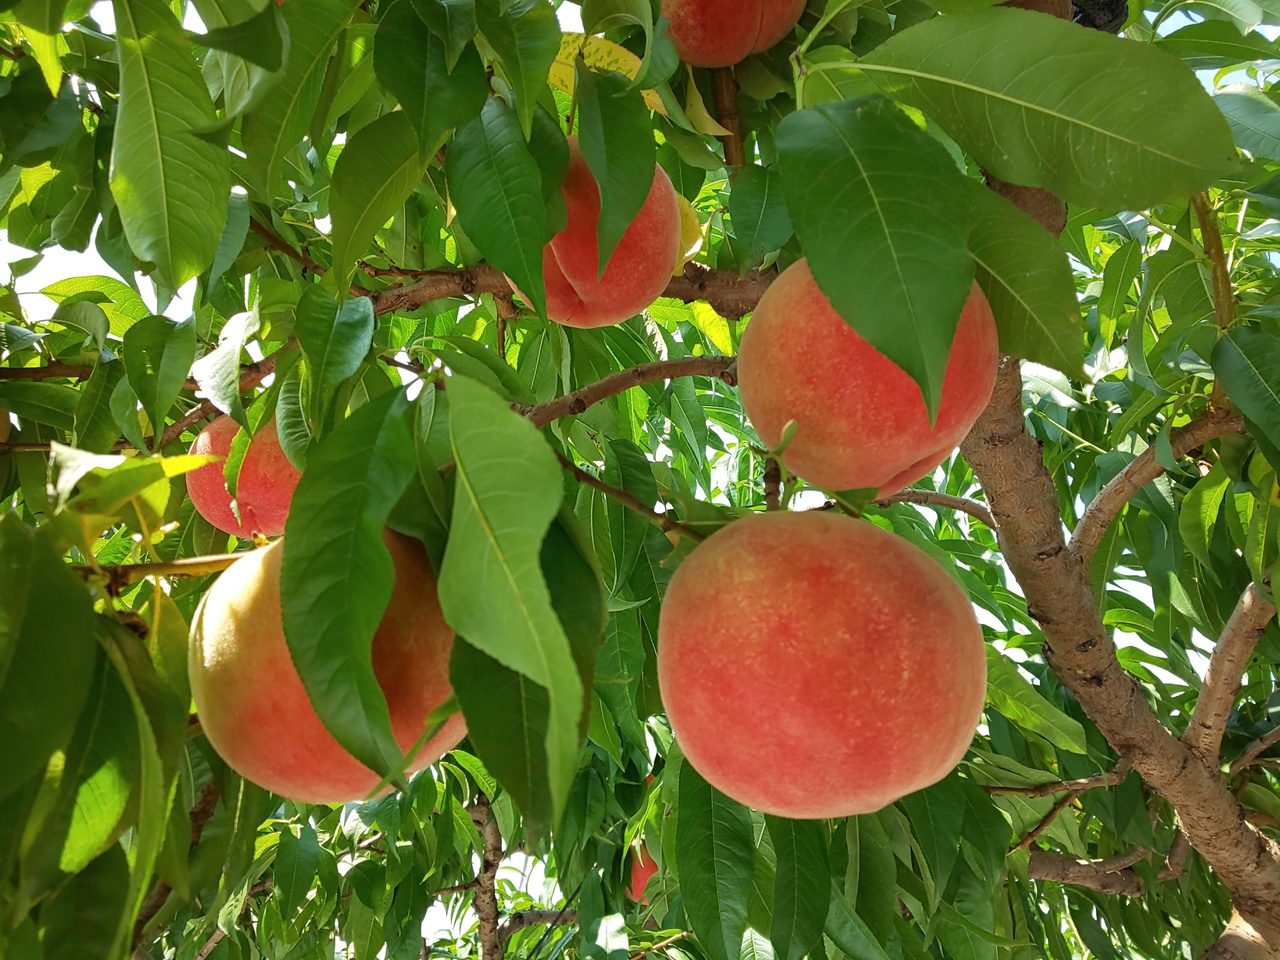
x=719, y=33
x=263, y=491
x=860, y=419
x=637, y=272
x=812, y=665
x=642, y=868
x=252, y=704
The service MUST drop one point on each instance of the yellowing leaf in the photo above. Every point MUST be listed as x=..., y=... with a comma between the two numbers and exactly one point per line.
x=599, y=54
x=712, y=326
x=690, y=234
x=697, y=113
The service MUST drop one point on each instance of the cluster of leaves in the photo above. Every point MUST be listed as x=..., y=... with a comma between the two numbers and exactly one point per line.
x=335, y=183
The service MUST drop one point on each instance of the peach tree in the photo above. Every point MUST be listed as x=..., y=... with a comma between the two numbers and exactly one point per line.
x=313, y=217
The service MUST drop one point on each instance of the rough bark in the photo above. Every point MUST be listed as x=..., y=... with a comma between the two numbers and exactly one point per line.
x=485, y=904
x=1106, y=876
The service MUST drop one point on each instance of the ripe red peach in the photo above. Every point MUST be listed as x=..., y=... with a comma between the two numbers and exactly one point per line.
x=252, y=704
x=813, y=666
x=860, y=419
x=642, y=868
x=639, y=269
x=263, y=491
x=719, y=33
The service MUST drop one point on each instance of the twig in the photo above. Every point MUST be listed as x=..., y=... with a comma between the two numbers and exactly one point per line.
x=52, y=370
x=723, y=368
x=1046, y=821
x=629, y=500
x=1140, y=471
x=772, y=483
x=534, y=918
x=1107, y=778
x=1106, y=876
x=459, y=888
x=660, y=945
x=1255, y=750
x=485, y=902
x=735, y=152
x=218, y=934
x=277, y=242
x=252, y=375
x=1224, y=300
x=1226, y=668
x=930, y=498
x=120, y=575
x=1176, y=859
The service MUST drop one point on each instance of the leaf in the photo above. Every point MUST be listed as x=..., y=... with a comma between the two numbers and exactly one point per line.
x=438, y=90
x=759, y=213
x=46, y=651
x=715, y=859
x=336, y=575
x=1199, y=513
x=526, y=36
x=496, y=187
x=603, y=936
x=801, y=886
x=1248, y=362
x=1014, y=696
x=1211, y=44
x=616, y=140
x=937, y=815
x=864, y=185
x=1254, y=118
x=1017, y=90
x=261, y=39
x=95, y=427
x=375, y=174
x=848, y=932
x=507, y=493
x=619, y=669
x=1027, y=280
x=281, y=119
x=335, y=337
x=42, y=15
x=297, y=860
x=218, y=371
x=626, y=468
x=80, y=922
x=453, y=21
x=51, y=403
x=157, y=355
x=1121, y=270
x=601, y=55
x=170, y=186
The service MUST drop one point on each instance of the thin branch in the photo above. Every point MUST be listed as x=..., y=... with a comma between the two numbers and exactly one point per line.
x=735, y=152
x=120, y=575
x=1176, y=859
x=459, y=888
x=1046, y=821
x=1226, y=668
x=929, y=498
x=53, y=370
x=723, y=368
x=485, y=902
x=772, y=483
x=218, y=934
x=630, y=501
x=252, y=374
x=1107, y=778
x=277, y=242
x=1255, y=750
x=660, y=945
x=534, y=918
x=1140, y=471
x=1105, y=876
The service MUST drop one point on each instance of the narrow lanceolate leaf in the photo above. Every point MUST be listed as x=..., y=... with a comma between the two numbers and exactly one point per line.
x=157, y=357
x=51, y=403
x=715, y=857
x=95, y=427
x=1027, y=279
x=170, y=186
x=508, y=491
x=850, y=933
x=1248, y=362
x=1019, y=92
x=1211, y=44
x=1121, y=270
x=496, y=188
x=261, y=39
x=335, y=338
x=436, y=92
x=526, y=36
x=801, y=885
x=883, y=215
x=1254, y=118
x=453, y=21
x=603, y=935
x=218, y=371
x=937, y=814
x=281, y=119
x=759, y=213
x=1198, y=514
x=1013, y=695
x=297, y=859
x=616, y=140
x=374, y=175
x=336, y=575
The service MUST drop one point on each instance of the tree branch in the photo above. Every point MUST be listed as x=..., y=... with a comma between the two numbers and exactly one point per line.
x=735, y=151
x=52, y=370
x=660, y=945
x=1226, y=668
x=724, y=368
x=1105, y=876
x=277, y=242
x=630, y=501
x=1107, y=778
x=485, y=902
x=1255, y=750
x=535, y=918
x=1140, y=471
x=930, y=498
x=120, y=575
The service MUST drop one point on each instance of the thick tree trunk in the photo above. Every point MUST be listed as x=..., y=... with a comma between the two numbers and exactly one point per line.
x=1242, y=941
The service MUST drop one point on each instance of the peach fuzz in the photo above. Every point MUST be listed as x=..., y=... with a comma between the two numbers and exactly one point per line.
x=812, y=665
x=719, y=33
x=263, y=491
x=639, y=269
x=860, y=419
x=252, y=704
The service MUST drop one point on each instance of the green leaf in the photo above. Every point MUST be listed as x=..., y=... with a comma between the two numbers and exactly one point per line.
x=437, y=92
x=619, y=669
x=453, y=21
x=496, y=187
x=616, y=140
x=1018, y=91
x=626, y=468
x=526, y=36
x=1211, y=44
x=759, y=213
x=157, y=355
x=375, y=174
x=51, y=403
x=1248, y=362
x=335, y=337
x=47, y=651
x=95, y=427
x=1121, y=270
x=603, y=936
x=864, y=185
x=170, y=186
x=1014, y=696
x=336, y=575
x=281, y=119
x=297, y=860
x=848, y=931
x=262, y=39
x=1027, y=280
x=1254, y=118
x=218, y=371
x=80, y=922
x=42, y=15
x=801, y=886
x=937, y=815
x=715, y=858
x=507, y=493
x=1199, y=513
